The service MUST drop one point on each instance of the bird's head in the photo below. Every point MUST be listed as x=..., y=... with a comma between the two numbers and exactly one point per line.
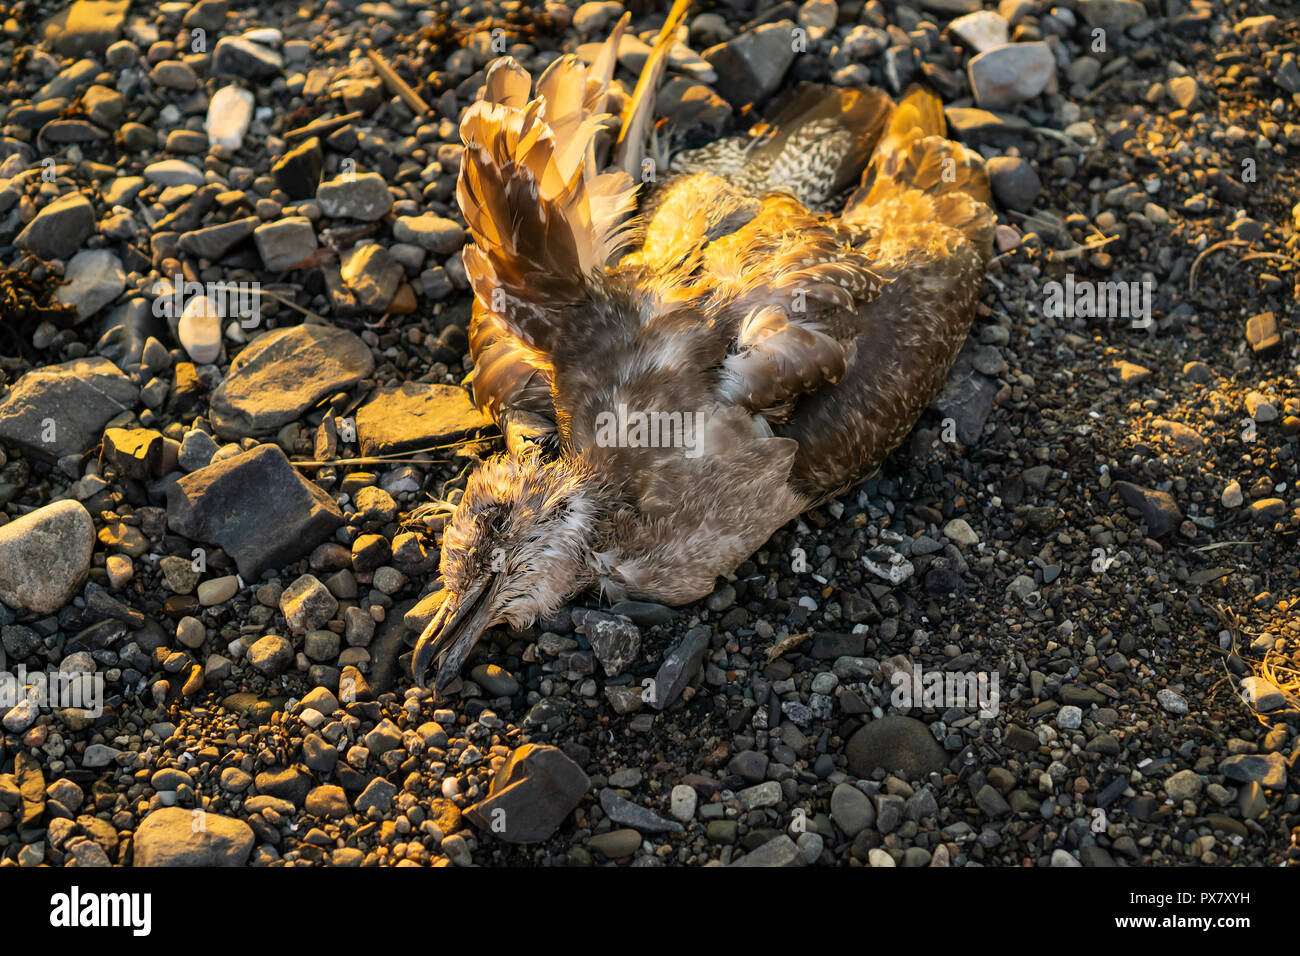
x=517, y=548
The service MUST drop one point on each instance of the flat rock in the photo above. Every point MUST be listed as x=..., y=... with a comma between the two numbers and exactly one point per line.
x=431, y=233
x=412, y=415
x=60, y=228
x=629, y=814
x=967, y=397
x=981, y=31
x=895, y=743
x=363, y=196
x=531, y=795
x=680, y=666
x=213, y=242
x=45, y=556
x=1112, y=14
x=1157, y=508
x=1268, y=770
x=778, y=852
x=94, y=279
x=286, y=242
x=230, y=112
x=283, y=373
x=1011, y=74
x=750, y=65
x=61, y=409
x=174, y=172
x=256, y=507
x=87, y=26
x=235, y=56
x=174, y=836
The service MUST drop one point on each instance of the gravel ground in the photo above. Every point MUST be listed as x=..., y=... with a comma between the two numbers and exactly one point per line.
x=1098, y=518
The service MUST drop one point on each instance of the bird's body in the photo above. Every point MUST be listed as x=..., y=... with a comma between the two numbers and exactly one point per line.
x=672, y=394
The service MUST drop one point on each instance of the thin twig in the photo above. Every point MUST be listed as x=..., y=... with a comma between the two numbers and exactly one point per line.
x=391, y=459
x=397, y=85
x=320, y=126
x=1196, y=263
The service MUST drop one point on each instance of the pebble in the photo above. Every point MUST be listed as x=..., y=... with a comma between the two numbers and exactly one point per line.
x=45, y=556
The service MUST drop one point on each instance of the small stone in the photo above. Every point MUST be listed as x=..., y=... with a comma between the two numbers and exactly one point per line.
x=285, y=243
x=682, y=803
x=981, y=31
x=199, y=329
x=59, y=228
x=95, y=279
x=1184, y=785
x=230, y=112
x=218, y=590
x=235, y=56
x=270, y=655
x=307, y=604
x=45, y=557
x=170, y=837
x=362, y=196
x=1011, y=74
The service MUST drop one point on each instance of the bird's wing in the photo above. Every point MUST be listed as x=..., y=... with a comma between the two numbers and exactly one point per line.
x=841, y=328
x=923, y=215
x=544, y=219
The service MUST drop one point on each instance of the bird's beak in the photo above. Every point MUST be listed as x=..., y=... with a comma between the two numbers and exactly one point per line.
x=453, y=632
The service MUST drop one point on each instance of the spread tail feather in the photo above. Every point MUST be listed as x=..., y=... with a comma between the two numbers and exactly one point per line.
x=914, y=154
x=542, y=217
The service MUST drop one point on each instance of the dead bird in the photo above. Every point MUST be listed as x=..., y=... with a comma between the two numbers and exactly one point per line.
x=677, y=381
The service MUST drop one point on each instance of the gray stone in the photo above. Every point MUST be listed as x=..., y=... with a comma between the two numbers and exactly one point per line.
x=1011, y=74
x=615, y=640
x=982, y=30
x=307, y=604
x=61, y=410
x=283, y=373
x=679, y=668
x=95, y=278
x=751, y=65
x=433, y=233
x=174, y=836
x=412, y=415
x=1157, y=508
x=256, y=506
x=59, y=228
x=285, y=243
x=781, y=851
x=270, y=655
x=629, y=814
x=372, y=275
x=173, y=172
x=87, y=26
x=1112, y=14
x=1015, y=183
x=895, y=743
x=363, y=196
x=1268, y=770
x=235, y=56
x=851, y=809
x=213, y=242
x=45, y=556
x=535, y=790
